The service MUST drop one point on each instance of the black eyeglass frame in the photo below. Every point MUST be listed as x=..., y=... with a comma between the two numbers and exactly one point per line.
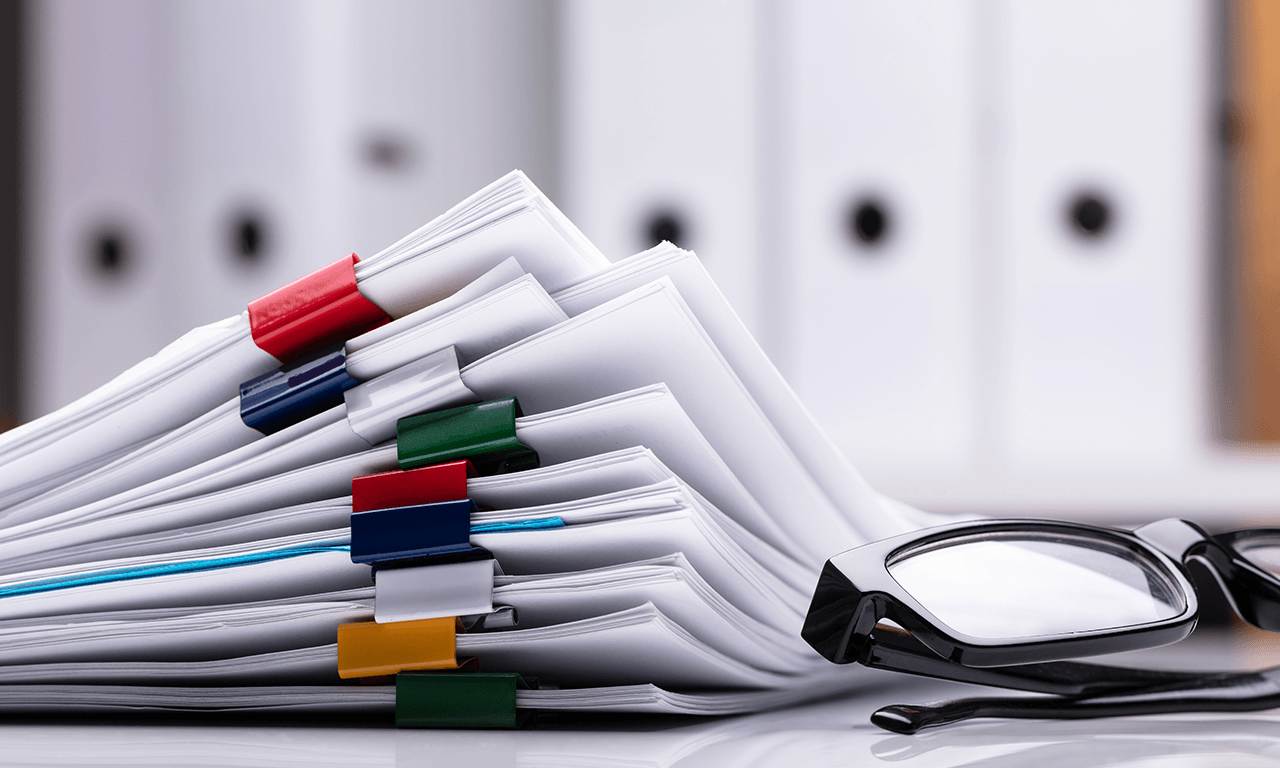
x=856, y=591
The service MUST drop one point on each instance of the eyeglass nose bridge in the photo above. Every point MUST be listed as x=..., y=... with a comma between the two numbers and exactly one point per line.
x=1253, y=593
x=1176, y=539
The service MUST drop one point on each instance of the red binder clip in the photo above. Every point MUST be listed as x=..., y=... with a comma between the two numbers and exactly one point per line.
x=441, y=482
x=311, y=313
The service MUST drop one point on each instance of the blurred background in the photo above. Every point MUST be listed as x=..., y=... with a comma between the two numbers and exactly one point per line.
x=1020, y=258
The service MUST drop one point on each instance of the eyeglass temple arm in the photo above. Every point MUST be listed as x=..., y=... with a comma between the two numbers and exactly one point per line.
x=897, y=650
x=1231, y=692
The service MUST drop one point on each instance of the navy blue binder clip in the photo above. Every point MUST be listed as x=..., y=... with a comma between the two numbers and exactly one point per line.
x=300, y=390
x=410, y=533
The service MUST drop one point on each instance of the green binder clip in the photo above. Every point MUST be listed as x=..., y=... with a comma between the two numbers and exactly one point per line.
x=461, y=700
x=484, y=433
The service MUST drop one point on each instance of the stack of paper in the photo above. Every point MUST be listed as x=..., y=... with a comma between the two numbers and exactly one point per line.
x=485, y=461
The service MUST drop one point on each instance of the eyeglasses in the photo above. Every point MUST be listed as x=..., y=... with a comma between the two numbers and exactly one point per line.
x=1006, y=603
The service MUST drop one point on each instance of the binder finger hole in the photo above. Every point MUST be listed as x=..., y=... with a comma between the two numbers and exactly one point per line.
x=109, y=251
x=1090, y=214
x=868, y=222
x=665, y=225
x=388, y=152
x=248, y=237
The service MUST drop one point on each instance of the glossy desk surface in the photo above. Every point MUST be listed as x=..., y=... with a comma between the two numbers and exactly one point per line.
x=832, y=733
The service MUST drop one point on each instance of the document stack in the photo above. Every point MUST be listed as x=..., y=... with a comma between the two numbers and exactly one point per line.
x=484, y=473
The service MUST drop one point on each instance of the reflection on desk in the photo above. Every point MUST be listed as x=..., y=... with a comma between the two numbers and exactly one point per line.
x=833, y=733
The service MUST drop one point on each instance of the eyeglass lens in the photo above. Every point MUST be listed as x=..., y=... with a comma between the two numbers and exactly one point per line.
x=1027, y=584
x=1263, y=550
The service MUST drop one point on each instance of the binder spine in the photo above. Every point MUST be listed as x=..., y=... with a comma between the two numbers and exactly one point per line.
x=313, y=312
x=286, y=396
x=485, y=433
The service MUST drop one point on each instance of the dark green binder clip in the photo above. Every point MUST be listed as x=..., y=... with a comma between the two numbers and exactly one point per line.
x=459, y=700
x=485, y=433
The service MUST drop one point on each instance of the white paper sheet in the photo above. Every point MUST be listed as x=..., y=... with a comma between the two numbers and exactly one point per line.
x=406, y=374
x=722, y=563
x=628, y=469
x=496, y=319
x=651, y=417
x=671, y=494
x=627, y=647
x=218, y=432
x=326, y=480
x=656, y=700
x=591, y=476
x=188, y=378
x=133, y=699
x=380, y=699
x=649, y=335
x=326, y=571
x=308, y=517
x=860, y=504
x=673, y=586
x=318, y=439
x=214, y=634
x=309, y=665
x=509, y=218
x=321, y=438
x=513, y=312
x=45, y=484
x=500, y=275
